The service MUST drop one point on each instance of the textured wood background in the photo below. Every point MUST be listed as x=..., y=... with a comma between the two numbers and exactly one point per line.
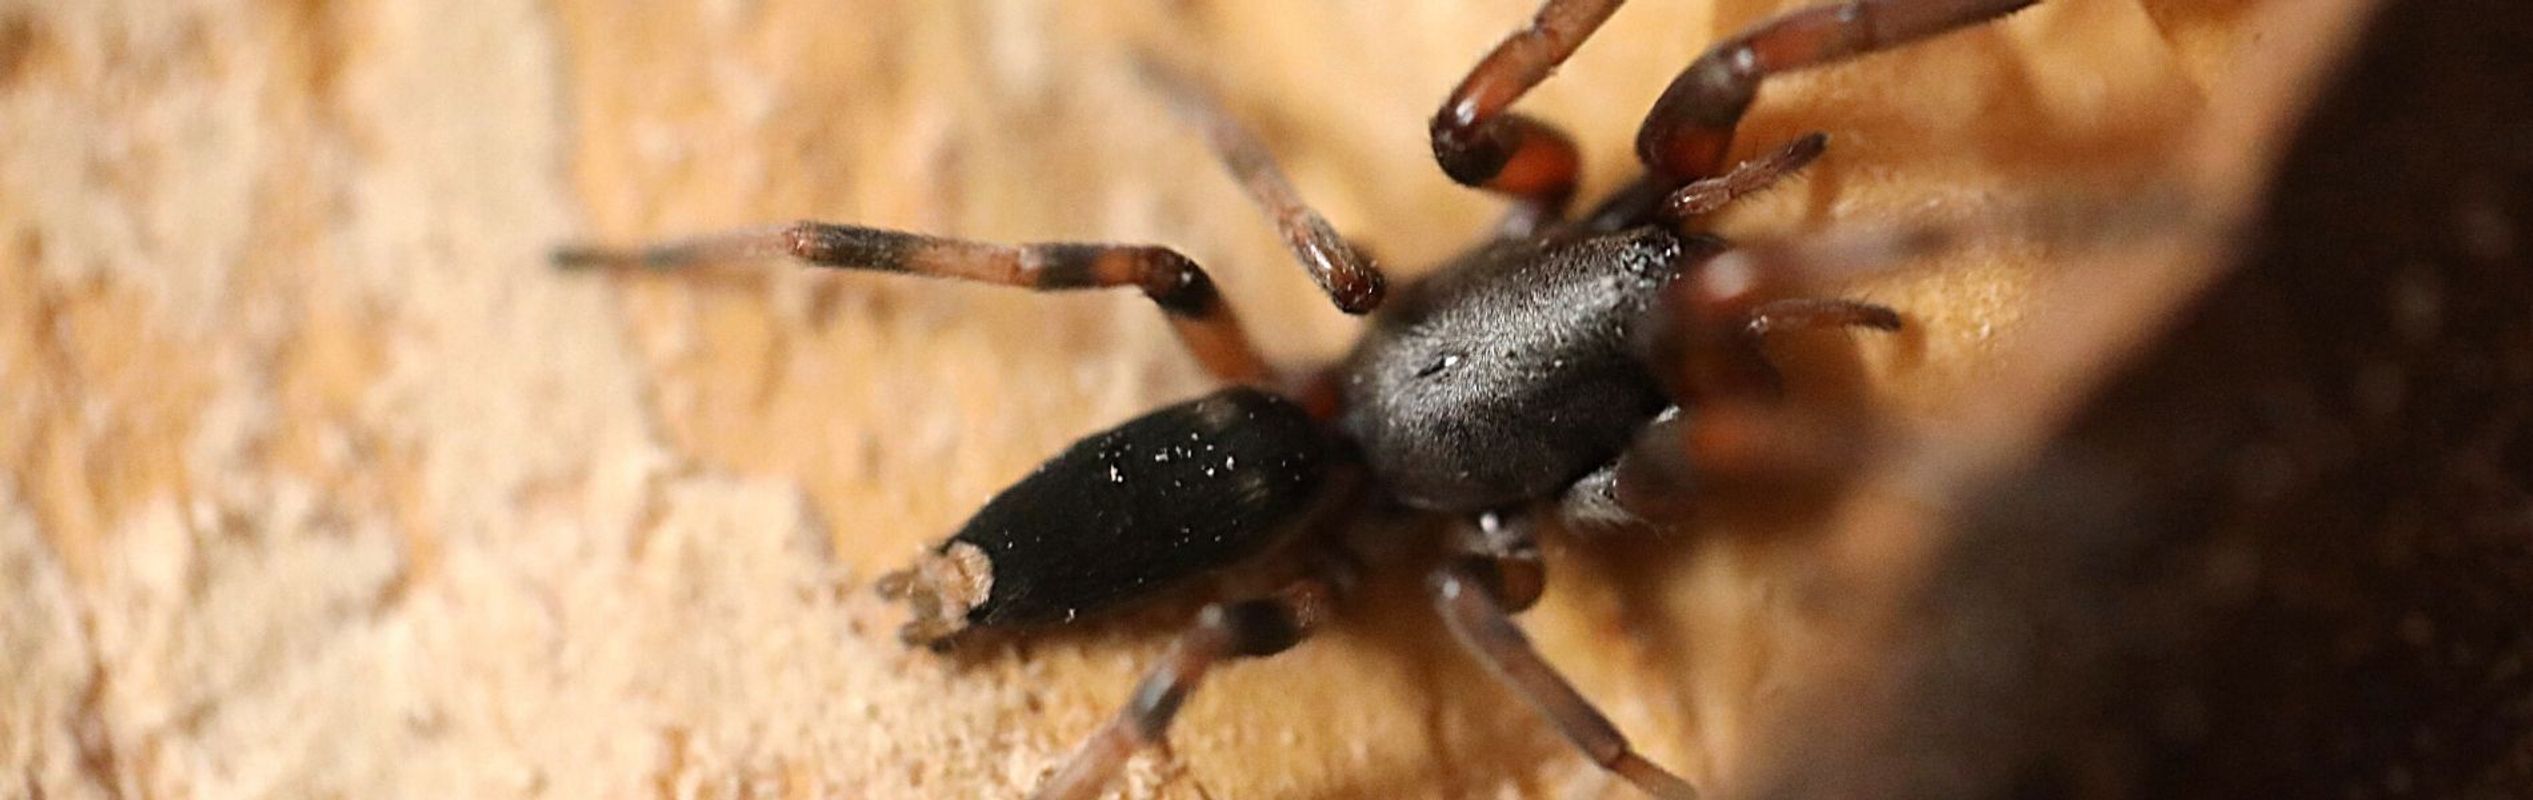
x=315, y=482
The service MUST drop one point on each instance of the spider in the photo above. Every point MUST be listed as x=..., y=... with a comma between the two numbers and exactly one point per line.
x=1574, y=367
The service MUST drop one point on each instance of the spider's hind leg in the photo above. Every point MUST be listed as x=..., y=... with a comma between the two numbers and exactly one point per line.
x=1223, y=632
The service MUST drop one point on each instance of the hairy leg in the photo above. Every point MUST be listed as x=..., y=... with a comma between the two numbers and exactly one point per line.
x=1685, y=136
x=1350, y=280
x=1223, y=632
x=1479, y=144
x=1478, y=592
x=1181, y=289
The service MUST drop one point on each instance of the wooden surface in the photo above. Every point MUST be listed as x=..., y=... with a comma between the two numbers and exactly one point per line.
x=315, y=482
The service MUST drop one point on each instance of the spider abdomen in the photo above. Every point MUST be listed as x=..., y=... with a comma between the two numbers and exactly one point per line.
x=1172, y=494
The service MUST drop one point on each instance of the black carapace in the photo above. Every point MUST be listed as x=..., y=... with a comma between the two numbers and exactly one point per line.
x=1565, y=365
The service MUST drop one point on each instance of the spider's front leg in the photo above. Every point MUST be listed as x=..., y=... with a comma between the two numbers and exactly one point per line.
x=1685, y=136
x=1479, y=143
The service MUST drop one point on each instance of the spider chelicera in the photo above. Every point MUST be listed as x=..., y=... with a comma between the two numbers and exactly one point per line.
x=1574, y=366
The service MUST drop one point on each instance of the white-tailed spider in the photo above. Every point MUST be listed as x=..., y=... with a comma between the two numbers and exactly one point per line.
x=1566, y=365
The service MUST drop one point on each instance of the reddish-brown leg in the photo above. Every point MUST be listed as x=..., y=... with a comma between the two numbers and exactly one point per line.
x=1685, y=136
x=1705, y=345
x=1480, y=145
x=1501, y=574
x=1708, y=195
x=1186, y=296
x=1703, y=341
x=1223, y=632
x=1747, y=443
x=1342, y=271
x=1649, y=200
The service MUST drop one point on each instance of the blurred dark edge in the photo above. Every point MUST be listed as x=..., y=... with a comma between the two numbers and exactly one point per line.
x=2288, y=551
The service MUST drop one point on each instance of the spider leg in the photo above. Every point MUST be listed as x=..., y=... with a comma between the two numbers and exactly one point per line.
x=1704, y=338
x=1477, y=592
x=1340, y=269
x=1223, y=632
x=1802, y=313
x=1685, y=135
x=1479, y=144
x=1705, y=345
x=1647, y=200
x=1788, y=450
x=1708, y=195
x=1196, y=311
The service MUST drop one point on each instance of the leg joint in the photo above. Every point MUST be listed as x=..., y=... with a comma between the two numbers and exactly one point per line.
x=852, y=246
x=1176, y=283
x=1258, y=627
x=1511, y=584
x=1155, y=704
x=1717, y=87
x=1686, y=132
x=1472, y=154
